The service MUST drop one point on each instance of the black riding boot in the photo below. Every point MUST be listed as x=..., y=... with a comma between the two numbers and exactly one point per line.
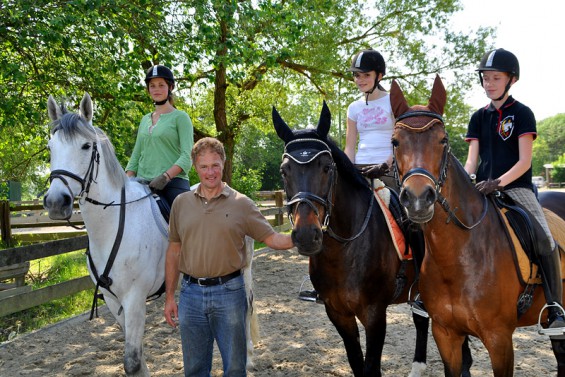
x=417, y=244
x=553, y=289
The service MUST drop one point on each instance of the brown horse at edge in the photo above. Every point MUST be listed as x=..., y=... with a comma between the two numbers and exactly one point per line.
x=468, y=279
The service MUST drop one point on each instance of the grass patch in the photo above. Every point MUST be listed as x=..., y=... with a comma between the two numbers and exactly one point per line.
x=44, y=272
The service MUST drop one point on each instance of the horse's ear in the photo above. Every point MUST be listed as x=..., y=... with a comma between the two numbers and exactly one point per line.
x=86, y=107
x=397, y=100
x=325, y=121
x=283, y=130
x=438, y=98
x=53, y=109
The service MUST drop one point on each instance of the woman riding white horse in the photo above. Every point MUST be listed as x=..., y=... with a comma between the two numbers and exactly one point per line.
x=127, y=234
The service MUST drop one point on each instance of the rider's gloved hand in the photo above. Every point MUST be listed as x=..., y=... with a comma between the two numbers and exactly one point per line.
x=160, y=182
x=489, y=186
x=375, y=171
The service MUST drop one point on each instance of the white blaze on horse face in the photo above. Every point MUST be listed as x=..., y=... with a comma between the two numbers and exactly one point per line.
x=72, y=157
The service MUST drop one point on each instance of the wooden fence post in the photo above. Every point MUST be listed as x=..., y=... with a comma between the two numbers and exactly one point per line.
x=5, y=222
x=279, y=220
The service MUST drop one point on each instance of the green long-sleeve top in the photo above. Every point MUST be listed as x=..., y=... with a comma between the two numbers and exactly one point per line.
x=167, y=143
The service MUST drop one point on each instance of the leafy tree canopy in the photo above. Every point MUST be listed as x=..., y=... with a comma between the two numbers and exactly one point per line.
x=233, y=61
x=548, y=146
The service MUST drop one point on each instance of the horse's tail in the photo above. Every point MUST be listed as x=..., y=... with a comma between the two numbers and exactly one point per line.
x=252, y=321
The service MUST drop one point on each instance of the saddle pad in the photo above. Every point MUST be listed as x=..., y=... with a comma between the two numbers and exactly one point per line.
x=397, y=237
x=527, y=271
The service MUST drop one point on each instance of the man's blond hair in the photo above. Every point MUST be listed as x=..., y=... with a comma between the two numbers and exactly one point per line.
x=208, y=144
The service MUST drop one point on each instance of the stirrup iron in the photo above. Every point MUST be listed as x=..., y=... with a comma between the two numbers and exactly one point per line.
x=416, y=310
x=549, y=331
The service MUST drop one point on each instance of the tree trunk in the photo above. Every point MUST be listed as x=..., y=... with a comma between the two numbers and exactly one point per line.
x=225, y=133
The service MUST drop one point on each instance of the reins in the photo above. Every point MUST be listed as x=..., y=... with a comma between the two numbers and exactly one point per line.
x=444, y=166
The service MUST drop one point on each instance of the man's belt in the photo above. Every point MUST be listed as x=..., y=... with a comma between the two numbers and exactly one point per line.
x=212, y=281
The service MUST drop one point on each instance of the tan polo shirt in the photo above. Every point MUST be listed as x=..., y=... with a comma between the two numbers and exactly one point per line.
x=212, y=233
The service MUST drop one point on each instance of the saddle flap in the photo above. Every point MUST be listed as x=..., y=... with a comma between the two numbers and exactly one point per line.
x=527, y=229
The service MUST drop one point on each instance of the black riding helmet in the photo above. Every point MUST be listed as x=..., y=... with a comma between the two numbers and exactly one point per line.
x=367, y=61
x=500, y=60
x=163, y=72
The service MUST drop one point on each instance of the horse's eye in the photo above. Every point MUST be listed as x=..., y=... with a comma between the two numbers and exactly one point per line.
x=327, y=168
x=85, y=146
x=445, y=140
x=394, y=142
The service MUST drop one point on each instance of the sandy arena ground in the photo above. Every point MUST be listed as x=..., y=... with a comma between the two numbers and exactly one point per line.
x=297, y=339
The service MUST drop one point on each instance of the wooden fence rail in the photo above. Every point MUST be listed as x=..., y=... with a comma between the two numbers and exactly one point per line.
x=14, y=262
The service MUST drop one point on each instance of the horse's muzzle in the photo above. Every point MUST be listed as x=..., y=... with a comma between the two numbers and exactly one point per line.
x=59, y=207
x=308, y=240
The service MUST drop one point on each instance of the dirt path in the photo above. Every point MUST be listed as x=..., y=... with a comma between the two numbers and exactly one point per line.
x=297, y=339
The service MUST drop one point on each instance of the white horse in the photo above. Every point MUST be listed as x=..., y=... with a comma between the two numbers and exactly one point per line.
x=127, y=236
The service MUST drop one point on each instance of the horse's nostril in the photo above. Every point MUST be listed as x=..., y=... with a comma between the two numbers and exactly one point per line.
x=404, y=197
x=430, y=196
x=67, y=200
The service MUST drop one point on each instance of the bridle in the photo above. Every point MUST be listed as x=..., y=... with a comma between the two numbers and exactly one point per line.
x=301, y=157
x=305, y=196
x=85, y=182
x=444, y=165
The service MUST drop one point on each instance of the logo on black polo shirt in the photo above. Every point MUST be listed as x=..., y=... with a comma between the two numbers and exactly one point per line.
x=506, y=127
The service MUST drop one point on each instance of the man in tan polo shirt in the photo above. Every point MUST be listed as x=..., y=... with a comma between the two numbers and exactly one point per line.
x=207, y=245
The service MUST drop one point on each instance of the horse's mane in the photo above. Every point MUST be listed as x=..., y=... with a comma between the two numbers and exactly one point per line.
x=74, y=125
x=346, y=169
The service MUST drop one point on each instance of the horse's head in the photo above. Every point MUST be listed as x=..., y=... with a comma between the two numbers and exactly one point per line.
x=421, y=150
x=75, y=146
x=308, y=171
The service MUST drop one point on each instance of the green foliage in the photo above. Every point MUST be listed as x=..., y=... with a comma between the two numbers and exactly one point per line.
x=246, y=181
x=233, y=60
x=548, y=147
x=558, y=171
x=44, y=272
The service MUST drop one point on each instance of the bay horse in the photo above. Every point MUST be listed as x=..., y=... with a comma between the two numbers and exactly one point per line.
x=337, y=223
x=127, y=235
x=468, y=279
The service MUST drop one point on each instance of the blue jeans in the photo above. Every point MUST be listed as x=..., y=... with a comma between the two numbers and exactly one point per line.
x=214, y=312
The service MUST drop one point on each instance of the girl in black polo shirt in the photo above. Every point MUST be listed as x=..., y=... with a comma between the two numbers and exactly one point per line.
x=502, y=135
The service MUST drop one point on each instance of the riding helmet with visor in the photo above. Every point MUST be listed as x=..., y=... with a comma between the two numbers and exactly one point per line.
x=500, y=60
x=163, y=72
x=367, y=61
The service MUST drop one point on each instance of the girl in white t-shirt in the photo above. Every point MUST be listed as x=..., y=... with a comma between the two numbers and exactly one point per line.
x=370, y=119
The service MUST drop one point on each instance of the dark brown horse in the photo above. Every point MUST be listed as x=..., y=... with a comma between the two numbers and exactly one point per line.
x=339, y=225
x=468, y=278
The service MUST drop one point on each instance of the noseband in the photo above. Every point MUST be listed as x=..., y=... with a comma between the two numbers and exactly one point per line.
x=89, y=177
x=444, y=164
x=303, y=157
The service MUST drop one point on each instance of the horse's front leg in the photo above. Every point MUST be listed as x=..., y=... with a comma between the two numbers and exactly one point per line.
x=558, y=347
x=134, y=360
x=501, y=351
x=346, y=326
x=420, y=353
x=450, y=345
x=375, y=332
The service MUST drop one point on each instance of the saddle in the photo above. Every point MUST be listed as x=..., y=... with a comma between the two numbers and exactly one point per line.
x=163, y=205
x=526, y=235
